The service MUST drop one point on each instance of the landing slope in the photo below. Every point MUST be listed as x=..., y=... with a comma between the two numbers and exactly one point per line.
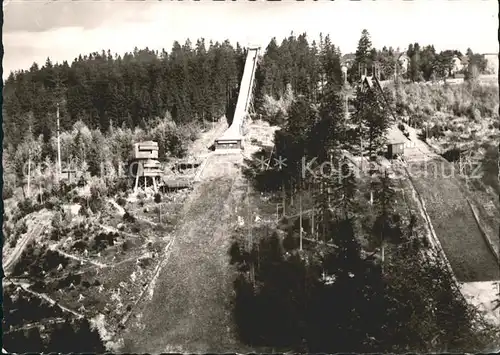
x=190, y=308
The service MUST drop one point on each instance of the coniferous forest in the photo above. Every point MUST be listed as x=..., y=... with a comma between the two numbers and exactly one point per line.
x=107, y=101
x=191, y=82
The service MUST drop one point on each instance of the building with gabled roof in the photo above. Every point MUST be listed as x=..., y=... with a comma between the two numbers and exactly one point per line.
x=347, y=60
x=396, y=141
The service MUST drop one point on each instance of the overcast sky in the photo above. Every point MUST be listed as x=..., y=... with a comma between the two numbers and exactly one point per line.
x=36, y=29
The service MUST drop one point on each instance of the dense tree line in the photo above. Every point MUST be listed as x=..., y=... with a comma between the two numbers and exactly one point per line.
x=107, y=102
x=427, y=64
x=305, y=67
x=103, y=90
x=192, y=82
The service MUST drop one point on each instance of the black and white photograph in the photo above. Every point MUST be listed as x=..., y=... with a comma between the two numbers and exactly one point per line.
x=250, y=176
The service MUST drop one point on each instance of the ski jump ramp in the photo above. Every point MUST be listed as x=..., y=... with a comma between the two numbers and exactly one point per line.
x=232, y=137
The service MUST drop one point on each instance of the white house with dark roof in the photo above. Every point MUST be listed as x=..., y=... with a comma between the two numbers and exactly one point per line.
x=404, y=62
x=457, y=65
x=347, y=60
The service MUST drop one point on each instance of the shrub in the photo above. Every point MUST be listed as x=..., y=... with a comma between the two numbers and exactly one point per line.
x=95, y=203
x=86, y=284
x=23, y=227
x=51, y=203
x=82, y=181
x=103, y=240
x=135, y=229
x=428, y=109
x=26, y=207
x=476, y=114
x=52, y=259
x=57, y=221
x=84, y=211
x=436, y=131
x=7, y=192
x=121, y=201
x=118, y=186
x=126, y=245
x=78, y=233
x=98, y=186
x=452, y=154
x=127, y=217
x=157, y=198
x=79, y=245
x=55, y=235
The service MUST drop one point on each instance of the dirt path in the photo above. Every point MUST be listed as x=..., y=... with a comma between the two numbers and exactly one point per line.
x=43, y=296
x=77, y=258
x=39, y=324
x=190, y=308
x=39, y=226
x=199, y=147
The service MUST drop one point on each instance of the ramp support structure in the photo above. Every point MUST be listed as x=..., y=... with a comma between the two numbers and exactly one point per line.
x=232, y=137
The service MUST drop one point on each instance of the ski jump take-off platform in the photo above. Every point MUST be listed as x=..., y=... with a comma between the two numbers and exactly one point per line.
x=232, y=137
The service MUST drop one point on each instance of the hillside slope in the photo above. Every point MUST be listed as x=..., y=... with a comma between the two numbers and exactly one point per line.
x=189, y=310
x=454, y=223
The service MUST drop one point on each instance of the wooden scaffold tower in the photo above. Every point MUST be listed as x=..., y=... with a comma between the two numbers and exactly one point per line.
x=145, y=165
